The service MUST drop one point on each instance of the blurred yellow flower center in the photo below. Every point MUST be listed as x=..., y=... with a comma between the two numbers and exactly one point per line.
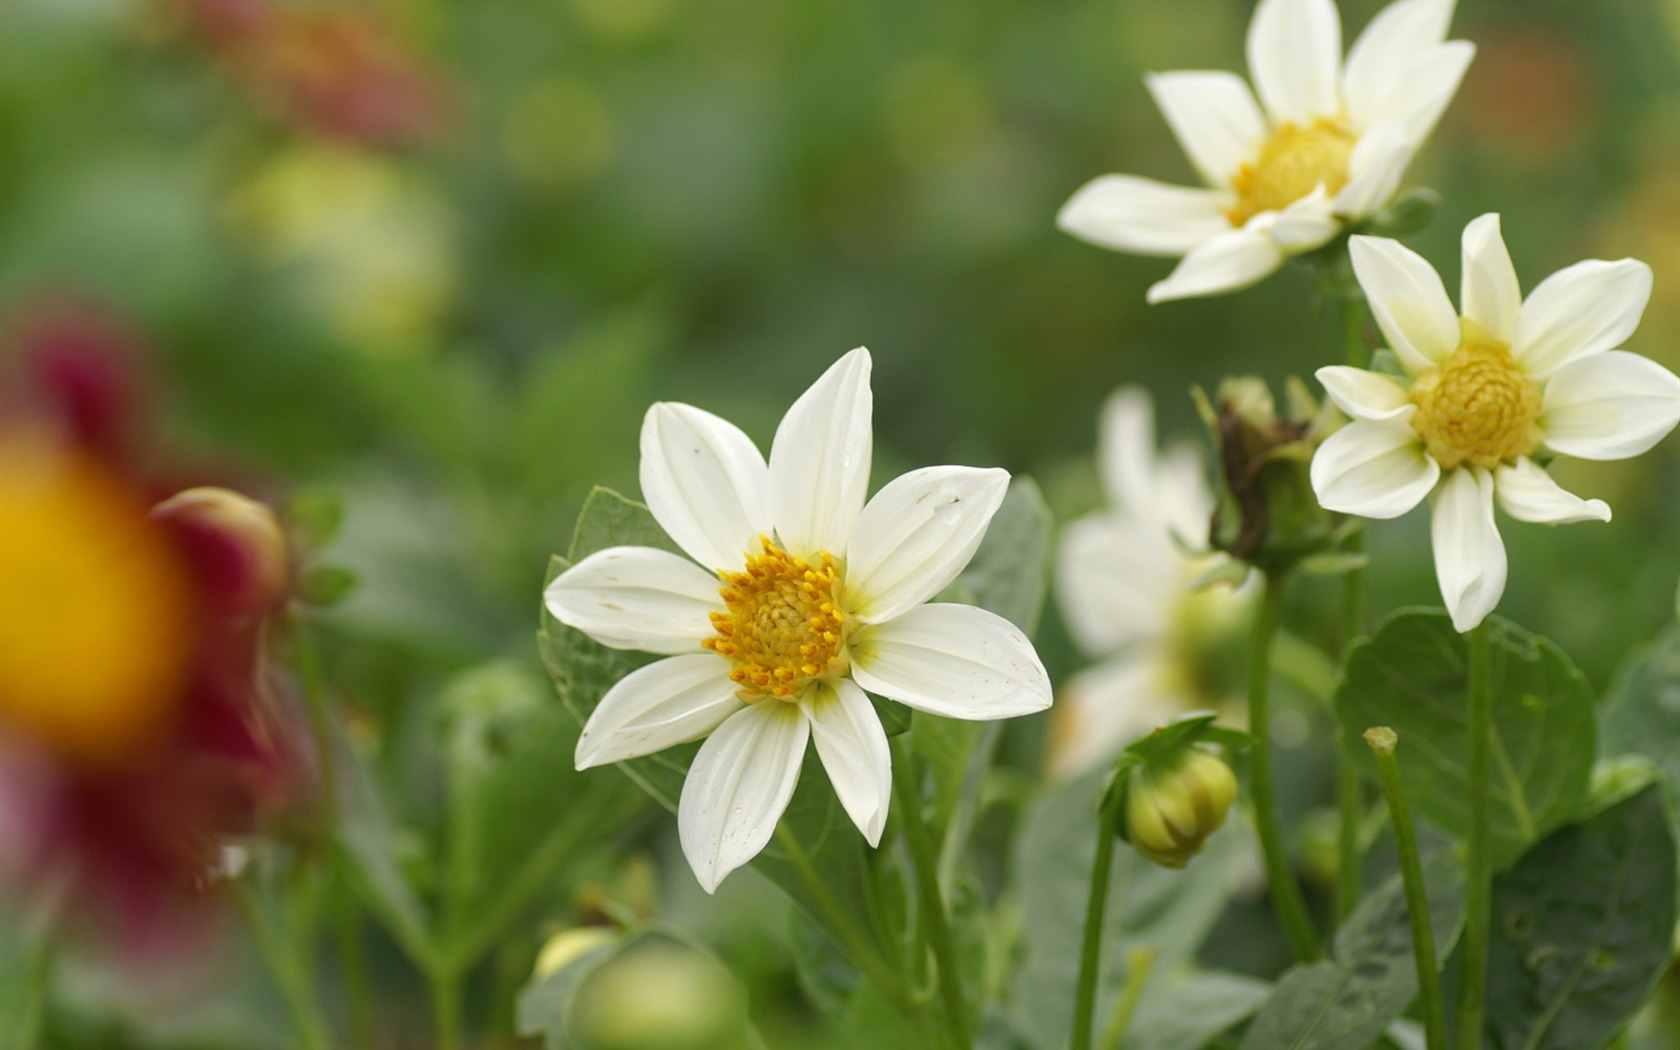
x=784, y=625
x=1476, y=408
x=95, y=611
x=1293, y=163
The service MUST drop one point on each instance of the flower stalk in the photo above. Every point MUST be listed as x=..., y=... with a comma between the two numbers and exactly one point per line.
x=1478, y=864
x=931, y=900
x=1090, y=952
x=1286, y=893
x=1383, y=741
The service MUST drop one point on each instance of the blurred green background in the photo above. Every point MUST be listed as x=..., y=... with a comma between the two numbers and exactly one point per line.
x=457, y=324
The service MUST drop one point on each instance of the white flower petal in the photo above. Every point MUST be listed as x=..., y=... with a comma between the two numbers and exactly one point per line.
x=1490, y=294
x=666, y=703
x=916, y=535
x=705, y=483
x=1132, y=214
x=1126, y=448
x=1234, y=259
x=1407, y=299
x=853, y=749
x=738, y=788
x=1375, y=470
x=1581, y=310
x=1378, y=61
x=1295, y=59
x=1183, y=504
x=819, y=462
x=1609, y=406
x=1100, y=710
x=637, y=598
x=1305, y=224
x=1366, y=395
x=1375, y=168
x=1115, y=573
x=1215, y=118
x=1428, y=85
x=952, y=660
x=1528, y=493
x=1469, y=554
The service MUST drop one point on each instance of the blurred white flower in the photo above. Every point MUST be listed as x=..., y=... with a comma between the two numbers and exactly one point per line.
x=1123, y=576
x=1484, y=392
x=822, y=598
x=1327, y=150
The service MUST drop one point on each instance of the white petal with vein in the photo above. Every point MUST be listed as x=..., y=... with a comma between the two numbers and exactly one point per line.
x=916, y=535
x=1215, y=118
x=952, y=660
x=1134, y=214
x=819, y=462
x=738, y=788
x=1528, y=493
x=1609, y=406
x=668, y=702
x=1469, y=554
x=1375, y=470
x=1579, y=311
x=705, y=483
x=637, y=598
x=853, y=748
x=1408, y=300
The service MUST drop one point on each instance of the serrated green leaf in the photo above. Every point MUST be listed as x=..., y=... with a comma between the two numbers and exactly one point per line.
x=1642, y=708
x=1347, y=1001
x=1583, y=928
x=1167, y=910
x=1413, y=676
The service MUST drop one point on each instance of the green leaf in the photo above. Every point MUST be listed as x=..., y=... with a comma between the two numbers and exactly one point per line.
x=314, y=519
x=1347, y=1001
x=1009, y=572
x=519, y=811
x=1583, y=929
x=326, y=585
x=1169, y=911
x=1413, y=676
x=1641, y=713
x=1194, y=1011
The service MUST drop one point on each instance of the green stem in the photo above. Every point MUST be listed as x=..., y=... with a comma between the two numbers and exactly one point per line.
x=445, y=984
x=932, y=901
x=1478, y=864
x=1383, y=742
x=1350, y=803
x=37, y=977
x=320, y=716
x=865, y=955
x=1286, y=894
x=1090, y=953
x=290, y=973
x=353, y=965
x=1138, y=965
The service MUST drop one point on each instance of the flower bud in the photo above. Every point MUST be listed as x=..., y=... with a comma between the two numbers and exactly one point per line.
x=1268, y=515
x=1172, y=808
x=236, y=545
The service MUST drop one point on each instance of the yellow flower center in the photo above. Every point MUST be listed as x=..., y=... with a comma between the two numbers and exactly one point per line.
x=784, y=625
x=95, y=611
x=1293, y=162
x=1476, y=408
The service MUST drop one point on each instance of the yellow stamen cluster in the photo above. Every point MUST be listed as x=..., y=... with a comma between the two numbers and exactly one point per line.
x=1292, y=163
x=784, y=625
x=1476, y=408
x=95, y=609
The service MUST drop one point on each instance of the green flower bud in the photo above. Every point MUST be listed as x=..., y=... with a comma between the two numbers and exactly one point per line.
x=1172, y=807
x=1268, y=515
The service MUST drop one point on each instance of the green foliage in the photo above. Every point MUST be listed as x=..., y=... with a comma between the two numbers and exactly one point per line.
x=1166, y=910
x=1583, y=929
x=1413, y=676
x=1192, y=1012
x=1348, y=1000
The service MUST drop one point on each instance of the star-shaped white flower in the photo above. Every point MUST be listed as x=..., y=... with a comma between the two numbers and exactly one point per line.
x=1485, y=392
x=800, y=597
x=1327, y=151
x=1123, y=576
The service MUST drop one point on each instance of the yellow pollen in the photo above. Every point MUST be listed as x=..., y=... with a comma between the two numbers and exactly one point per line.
x=95, y=609
x=784, y=625
x=1475, y=407
x=1293, y=162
